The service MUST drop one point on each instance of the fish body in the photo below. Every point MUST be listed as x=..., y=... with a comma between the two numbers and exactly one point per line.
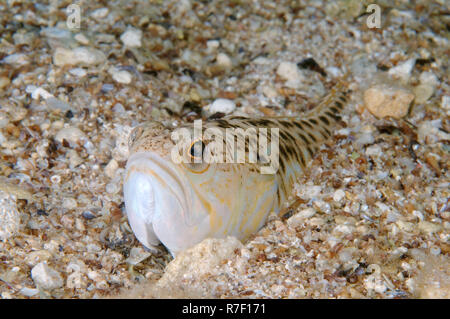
x=179, y=204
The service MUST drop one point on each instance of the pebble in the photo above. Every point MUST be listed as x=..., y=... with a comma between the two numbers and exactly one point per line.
x=445, y=103
x=100, y=13
x=45, y=277
x=132, y=38
x=69, y=203
x=383, y=101
x=35, y=257
x=403, y=70
x=373, y=150
x=137, y=255
x=78, y=72
x=290, y=72
x=29, y=292
x=81, y=38
x=423, y=92
x=222, y=106
x=428, y=227
x=4, y=82
x=430, y=132
x=299, y=218
x=38, y=92
x=338, y=195
x=224, y=61
x=73, y=135
x=9, y=216
x=57, y=104
x=18, y=59
x=74, y=159
x=78, y=56
x=200, y=260
x=120, y=76
x=111, y=168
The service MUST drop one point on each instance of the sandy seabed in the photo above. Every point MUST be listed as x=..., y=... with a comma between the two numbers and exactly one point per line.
x=372, y=214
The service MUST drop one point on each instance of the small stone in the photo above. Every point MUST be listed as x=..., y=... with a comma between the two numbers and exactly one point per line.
x=57, y=104
x=445, y=102
x=29, y=292
x=79, y=55
x=111, y=168
x=299, y=218
x=35, y=257
x=132, y=37
x=88, y=215
x=290, y=72
x=423, y=92
x=81, y=38
x=383, y=101
x=9, y=216
x=137, y=255
x=269, y=92
x=373, y=150
x=430, y=132
x=78, y=72
x=221, y=106
x=72, y=135
x=200, y=260
x=4, y=82
x=403, y=70
x=428, y=227
x=212, y=45
x=338, y=195
x=45, y=277
x=18, y=59
x=224, y=61
x=74, y=159
x=69, y=203
x=100, y=13
x=120, y=76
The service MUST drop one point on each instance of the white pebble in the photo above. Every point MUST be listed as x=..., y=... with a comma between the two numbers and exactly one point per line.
x=29, y=292
x=120, y=76
x=80, y=37
x=445, y=102
x=374, y=150
x=16, y=59
x=212, y=45
x=40, y=92
x=111, y=168
x=79, y=55
x=224, y=61
x=289, y=72
x=222, y=105
x=100, y=13
x=298, y=219
x=78, y=72
x=69, y=203
x=132, y=37
x=72, y=135
x=338, y=195
x=9, y=216
x=45, y=277
x=403, y=70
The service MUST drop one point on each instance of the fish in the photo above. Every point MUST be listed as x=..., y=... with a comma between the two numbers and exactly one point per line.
x=180, y=203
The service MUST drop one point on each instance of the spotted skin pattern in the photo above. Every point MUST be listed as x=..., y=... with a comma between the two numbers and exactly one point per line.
x=220, y=199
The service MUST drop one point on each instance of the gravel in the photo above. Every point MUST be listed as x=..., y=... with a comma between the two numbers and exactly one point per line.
x=372, y=214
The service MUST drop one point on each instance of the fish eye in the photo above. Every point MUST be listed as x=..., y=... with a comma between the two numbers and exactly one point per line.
x=196, y=150
x=195, y=153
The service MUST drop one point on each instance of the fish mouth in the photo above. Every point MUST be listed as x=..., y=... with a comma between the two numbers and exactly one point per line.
x=155, y=198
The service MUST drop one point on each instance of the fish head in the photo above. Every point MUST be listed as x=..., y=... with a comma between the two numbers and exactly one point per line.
x=173, y=195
